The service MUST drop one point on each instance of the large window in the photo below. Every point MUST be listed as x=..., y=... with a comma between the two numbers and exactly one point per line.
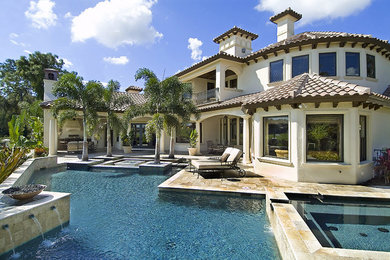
x=363, y=138
x=352, y=64
x=327, y=64
x=276, y=71
x=324, y=135
x=300, y=65
x=276, y=136
x=370, y=66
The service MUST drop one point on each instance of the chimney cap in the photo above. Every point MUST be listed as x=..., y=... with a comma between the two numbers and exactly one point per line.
x=133, y=88
x=233, y=31
x=288, y=11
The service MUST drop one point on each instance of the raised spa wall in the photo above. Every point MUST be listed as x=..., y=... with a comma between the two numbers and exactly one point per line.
x=16, y=216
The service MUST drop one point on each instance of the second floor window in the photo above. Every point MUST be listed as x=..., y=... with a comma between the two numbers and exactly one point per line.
x=327, y=64
x=371, y=66
x=352, y=64
x=300, y=65
x=276, y=71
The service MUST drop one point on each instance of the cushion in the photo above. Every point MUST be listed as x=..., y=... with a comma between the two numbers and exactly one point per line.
x=224, y=157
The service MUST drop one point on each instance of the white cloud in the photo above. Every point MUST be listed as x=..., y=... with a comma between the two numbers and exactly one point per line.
x=27, y=51
x=67, y=63
x=122, y=60
x=194, y=45
x=13, y=39
x=116, y=22
x=13, y=35
x=41, y=14
x=314, y=10
x=68, y=15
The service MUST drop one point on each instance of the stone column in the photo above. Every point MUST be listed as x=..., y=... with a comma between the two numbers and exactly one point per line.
x=246, y=140
x=52, y=137
x=228, y=130
x=220, y=79
x=198, y=140
x=238, y=130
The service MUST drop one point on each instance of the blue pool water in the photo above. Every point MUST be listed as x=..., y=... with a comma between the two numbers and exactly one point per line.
x=124, y=216
x=348, y=225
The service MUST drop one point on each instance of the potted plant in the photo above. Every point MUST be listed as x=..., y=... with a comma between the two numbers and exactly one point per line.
x=193, y=141
x=126, y=143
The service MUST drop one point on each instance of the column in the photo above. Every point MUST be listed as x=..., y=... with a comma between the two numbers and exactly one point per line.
x=220, y=79
x=228, y=130
x=52, y=135
x=198, y=139
x=246, y=140
x=238, y=130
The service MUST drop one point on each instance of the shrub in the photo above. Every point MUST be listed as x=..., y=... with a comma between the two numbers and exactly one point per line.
x=10, y=159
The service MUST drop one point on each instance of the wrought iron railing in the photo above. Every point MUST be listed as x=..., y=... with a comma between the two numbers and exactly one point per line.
x=206, y=96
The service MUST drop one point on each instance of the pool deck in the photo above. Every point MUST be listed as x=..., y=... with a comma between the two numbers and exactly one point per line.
x=294, y=238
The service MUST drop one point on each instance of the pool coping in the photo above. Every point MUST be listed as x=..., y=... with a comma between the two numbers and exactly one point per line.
x=294, y=238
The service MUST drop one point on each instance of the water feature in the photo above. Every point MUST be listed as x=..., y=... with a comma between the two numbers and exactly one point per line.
x=6, y=228
x=38, y=224
x=123, y=216
x=54, y=208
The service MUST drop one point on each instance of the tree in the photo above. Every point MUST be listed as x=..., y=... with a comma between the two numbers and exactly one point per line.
x=73, y=95
x=168, y=102
x=112, y=101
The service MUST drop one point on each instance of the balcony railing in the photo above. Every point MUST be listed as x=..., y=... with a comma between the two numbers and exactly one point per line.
x=206, y=96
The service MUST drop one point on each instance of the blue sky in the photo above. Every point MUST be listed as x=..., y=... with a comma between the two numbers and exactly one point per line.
x=111, y=39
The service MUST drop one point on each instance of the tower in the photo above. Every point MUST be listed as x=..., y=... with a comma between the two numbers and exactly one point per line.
x=236, y=41
x=50, y=77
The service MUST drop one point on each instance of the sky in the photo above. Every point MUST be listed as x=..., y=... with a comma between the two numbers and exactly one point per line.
x=111, y=39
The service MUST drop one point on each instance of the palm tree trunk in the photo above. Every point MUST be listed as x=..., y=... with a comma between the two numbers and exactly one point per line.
x=172, y=145
x=109, y=145
x=84, y=156
x=157, y=151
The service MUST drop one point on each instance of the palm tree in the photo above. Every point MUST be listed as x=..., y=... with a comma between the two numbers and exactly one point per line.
x=112, y=101
x=73, y=95
x=169, y=102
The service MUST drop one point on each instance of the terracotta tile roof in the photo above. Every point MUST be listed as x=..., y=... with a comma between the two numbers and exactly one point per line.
x=288, y=11
x=137, y=99
x=300, y=39
x=307, y=87
x=134, y=88
x=235, y=30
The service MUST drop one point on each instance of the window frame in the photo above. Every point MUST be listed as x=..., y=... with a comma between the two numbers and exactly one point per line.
x=264, y=137
x=270, y=70
x=335, y=64
x=346, y=68
x=373, y=56
x=292, y=64
x=342, y=139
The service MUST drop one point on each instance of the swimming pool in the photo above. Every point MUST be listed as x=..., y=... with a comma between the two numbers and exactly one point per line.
x=351, y=223
x=123, y=216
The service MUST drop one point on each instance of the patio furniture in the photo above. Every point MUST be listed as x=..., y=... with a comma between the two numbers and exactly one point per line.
x=213, y=165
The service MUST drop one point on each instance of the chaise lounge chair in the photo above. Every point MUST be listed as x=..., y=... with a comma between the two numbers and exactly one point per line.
x=227, y=162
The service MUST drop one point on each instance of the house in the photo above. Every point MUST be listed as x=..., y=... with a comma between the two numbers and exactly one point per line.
x=310, y=107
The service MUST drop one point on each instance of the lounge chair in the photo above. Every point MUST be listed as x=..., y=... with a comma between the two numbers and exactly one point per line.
x=227, y=152
x=203, y=166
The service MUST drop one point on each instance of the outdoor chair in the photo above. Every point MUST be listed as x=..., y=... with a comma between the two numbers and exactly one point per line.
x=212, y=165
x=225, y=153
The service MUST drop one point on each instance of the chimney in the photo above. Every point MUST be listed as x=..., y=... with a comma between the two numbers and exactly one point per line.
x=285, y=22
x=49, y=79
x=236, y=42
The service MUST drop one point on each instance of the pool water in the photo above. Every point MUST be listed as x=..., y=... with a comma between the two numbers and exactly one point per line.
x=349, y=225
x=124, y=216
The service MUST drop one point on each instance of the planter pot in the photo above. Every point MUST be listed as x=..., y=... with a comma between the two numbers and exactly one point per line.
x=192, y=151
x=126, y=149
x=281, y=153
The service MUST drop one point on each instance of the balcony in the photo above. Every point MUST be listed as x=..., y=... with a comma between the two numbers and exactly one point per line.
x=206, y=96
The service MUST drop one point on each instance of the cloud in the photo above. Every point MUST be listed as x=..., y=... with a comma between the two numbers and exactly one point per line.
x=68, y=15
x=116, y=22
x=314, y=10
x=194, y=45
x=41, y=14
x=122, y=60
x=67, y=63
x=27, y=51
x=13, y=39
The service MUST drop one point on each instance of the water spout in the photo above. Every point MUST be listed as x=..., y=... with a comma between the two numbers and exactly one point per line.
x=6, y=228
x=58, y=215
x=36, y=221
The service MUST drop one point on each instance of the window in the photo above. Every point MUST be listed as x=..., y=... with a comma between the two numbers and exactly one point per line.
x=300, y=65
x=233, y=131
x=233, y=83
x=276, y=136
x=327, y=64
x=276, y=71
x=324, y=138
x=183, y=133
x=363, y=138
x=371, y=66
x=352, y=64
